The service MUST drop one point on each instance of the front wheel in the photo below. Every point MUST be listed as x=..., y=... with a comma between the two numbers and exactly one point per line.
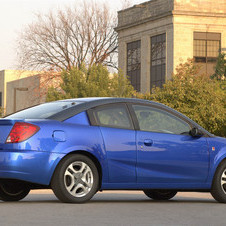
x=13, y=191
x=75, y=179
x=218, y=189
x=160, y=194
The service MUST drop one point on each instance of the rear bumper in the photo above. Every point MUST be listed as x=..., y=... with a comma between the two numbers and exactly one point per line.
x=31, y=166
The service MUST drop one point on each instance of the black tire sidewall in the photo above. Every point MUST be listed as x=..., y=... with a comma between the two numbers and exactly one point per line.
x=58, y=185
x=216, y=190
x=159, y=195
x=7, y=197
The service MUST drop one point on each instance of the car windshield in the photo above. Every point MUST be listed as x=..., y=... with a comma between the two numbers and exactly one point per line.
x=43, y=111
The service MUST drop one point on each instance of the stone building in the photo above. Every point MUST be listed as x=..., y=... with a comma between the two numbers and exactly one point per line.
x=156, y=36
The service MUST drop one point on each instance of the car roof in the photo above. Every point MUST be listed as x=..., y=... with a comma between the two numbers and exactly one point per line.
x=103, y=100
x=87, y=99
x=96, y=101
x=83, y=104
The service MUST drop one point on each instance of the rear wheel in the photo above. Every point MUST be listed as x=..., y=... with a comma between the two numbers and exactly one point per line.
x=160, y=194
x=76, y=179
x=218, y=189
x=13, y=191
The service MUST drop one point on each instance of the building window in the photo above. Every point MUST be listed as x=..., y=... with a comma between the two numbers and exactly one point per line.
x=206, y=47
x=133, y=63
x=0, y=99
x=158, y=60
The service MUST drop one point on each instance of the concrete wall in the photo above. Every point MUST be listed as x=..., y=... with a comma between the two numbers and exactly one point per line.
x=22, y=93
x=184, y=28
x=29, y=91
x=201, y=6
x=8, y=76
x=200, y=16
x=2, y=77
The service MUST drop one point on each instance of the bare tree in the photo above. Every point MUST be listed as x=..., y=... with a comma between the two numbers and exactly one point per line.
x=126, y=4
x=70, y=38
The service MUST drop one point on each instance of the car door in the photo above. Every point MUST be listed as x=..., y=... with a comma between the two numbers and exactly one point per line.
x=166, y=153
x=119, y=139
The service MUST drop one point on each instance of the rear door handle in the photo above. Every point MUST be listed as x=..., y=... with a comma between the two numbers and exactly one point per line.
x=148, y=142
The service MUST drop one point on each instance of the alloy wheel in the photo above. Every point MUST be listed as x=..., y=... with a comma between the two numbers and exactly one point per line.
x=78, y=179
x=223, y=181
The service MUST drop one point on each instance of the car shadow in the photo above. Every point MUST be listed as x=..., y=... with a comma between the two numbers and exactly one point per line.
x=150, y=201
x=153, y=201
x=115, y=198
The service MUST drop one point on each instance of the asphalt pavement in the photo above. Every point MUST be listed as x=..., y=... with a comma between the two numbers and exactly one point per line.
x=114, y=208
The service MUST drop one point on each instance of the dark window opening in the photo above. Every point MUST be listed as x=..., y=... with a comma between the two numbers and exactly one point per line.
x=134, y=63
x=158, y=60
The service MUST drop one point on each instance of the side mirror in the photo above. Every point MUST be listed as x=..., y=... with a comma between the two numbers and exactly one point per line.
x=194, y=132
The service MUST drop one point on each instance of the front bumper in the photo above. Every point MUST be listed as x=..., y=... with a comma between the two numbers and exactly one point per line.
x=31, y=166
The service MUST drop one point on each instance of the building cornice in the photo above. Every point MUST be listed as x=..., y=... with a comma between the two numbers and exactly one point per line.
x=170, y=13
x=146, y=20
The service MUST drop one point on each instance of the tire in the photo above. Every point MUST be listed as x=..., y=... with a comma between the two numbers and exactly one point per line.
x=218, y=189
x=13, y=191
x=76, y=179
x=160, y=194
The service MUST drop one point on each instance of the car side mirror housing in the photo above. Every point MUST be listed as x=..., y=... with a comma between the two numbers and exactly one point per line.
x=195, y=132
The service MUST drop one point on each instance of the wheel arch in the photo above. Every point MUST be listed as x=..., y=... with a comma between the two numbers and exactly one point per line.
x=89, y=155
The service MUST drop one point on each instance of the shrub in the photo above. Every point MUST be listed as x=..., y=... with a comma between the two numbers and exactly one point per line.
x=93, y=82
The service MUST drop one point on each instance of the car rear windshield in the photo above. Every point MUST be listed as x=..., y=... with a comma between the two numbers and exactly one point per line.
x=43, y=111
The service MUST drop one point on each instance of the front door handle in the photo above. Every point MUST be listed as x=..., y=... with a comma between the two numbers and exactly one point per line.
x=148, y=142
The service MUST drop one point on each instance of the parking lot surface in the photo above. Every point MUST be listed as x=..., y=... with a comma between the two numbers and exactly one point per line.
x=114, y=208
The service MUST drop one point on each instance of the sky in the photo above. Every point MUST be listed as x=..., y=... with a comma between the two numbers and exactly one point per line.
x=16, y=14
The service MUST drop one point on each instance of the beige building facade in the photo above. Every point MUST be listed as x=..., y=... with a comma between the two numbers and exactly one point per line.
x=156, y=36
x=9, y=93
x=23, y=89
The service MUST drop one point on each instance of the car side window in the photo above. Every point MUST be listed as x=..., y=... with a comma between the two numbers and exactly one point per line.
x=115, y=116
x=160, y=121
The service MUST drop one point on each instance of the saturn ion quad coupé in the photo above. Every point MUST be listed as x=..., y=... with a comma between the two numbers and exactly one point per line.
x=77, y=147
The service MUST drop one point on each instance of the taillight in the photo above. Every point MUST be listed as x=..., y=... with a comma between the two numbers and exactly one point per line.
x=21, y=131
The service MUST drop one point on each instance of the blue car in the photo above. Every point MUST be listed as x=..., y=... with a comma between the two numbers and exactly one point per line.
x=77, y=147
